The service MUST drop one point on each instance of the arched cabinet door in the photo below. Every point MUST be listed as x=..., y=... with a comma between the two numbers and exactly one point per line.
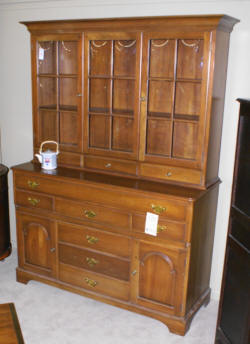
x=160, y=278
x=36, y=244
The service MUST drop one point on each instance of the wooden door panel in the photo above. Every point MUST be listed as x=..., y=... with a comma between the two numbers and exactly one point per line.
x=185, y=140
x=36, y=243
x=68, y=52
x=46, y=52
x=162, y=53
x=125, y=57
x=158, y=141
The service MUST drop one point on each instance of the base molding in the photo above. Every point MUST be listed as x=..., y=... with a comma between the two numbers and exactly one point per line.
x=177, y=325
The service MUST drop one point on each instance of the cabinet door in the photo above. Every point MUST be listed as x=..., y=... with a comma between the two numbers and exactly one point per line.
x=111, y=99
x=173, y=98
x=160, y=274
x=36, y=244
x=57, y=86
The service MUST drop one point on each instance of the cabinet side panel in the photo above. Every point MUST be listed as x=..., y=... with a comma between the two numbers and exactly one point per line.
x=202, y=245
x=217, y=106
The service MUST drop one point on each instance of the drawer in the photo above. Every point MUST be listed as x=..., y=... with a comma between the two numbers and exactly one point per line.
x=171, y=173
x=94, y=282
x=94, y=261
x=110, y=165
x=93, y=213
x=167, y=230
x=132, y=200
x=33, y=200
x=93, y=239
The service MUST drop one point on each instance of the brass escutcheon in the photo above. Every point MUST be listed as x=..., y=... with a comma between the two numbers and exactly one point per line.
x=90, y=282
x=161, y=228
x=91, y=261
x=91, y=239
x=158, y=209
x=33, y=201
x=32, y=184
x=89, y=213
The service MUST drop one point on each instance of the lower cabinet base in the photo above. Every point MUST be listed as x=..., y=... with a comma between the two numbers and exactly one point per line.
x=177, y=325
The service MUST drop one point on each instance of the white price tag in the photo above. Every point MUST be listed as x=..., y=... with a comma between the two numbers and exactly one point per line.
x=41, y=53
x=151, y=224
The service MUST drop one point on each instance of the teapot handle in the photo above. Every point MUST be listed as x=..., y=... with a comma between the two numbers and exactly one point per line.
x=40, y=149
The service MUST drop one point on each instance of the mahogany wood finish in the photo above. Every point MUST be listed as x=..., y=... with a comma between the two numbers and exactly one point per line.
x=5, y=243
x=136, y=106
x=233, y=324
x=10, y=331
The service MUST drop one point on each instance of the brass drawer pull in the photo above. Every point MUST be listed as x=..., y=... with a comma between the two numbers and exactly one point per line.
x=33, y=201
x=161, y=228
x=92, y=261
x=168, y=174
x=89, y=213
x=91, y=239
x=90, y=282
x=108, y=165
x=158, y=209
x=133, y=273
x=32, y=184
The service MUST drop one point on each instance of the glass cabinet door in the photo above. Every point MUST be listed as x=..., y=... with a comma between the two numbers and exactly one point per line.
x=59, y=92
x=112, y=81
x=173, y=85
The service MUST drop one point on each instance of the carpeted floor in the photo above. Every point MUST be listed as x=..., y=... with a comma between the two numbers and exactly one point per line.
x=49, y=315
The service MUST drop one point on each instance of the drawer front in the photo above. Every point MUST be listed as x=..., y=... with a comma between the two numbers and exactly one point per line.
x=93, y=239
x=110, y=165
x=166, y=230
x=131, y=200
x=33, y=200
x=171, y=173
x=94, y=282
x=93, y=213
x=94, y=261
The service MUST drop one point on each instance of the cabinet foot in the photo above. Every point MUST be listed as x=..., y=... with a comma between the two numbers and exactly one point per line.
x=22, y=278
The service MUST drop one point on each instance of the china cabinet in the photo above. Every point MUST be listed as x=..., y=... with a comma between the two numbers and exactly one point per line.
x=233, y=323
x=136, y=106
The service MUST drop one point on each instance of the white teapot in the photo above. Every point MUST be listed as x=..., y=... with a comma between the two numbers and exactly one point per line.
x=48, y=159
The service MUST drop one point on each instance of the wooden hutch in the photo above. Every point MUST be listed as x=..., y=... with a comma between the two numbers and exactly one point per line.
x=136, y=105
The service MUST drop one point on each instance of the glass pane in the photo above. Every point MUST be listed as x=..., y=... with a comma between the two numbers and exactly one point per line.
x=99, y=128
x=124, y=58
x=46, y=56
x=100, y=58
x=47, y=92
x=99, y=95
x=122, y=138
x=68, y=128
x=123, y=96
x=162, y=53
x=48, y=125
x=188, y=99
x=190, y=59
x=159, y=137
x=185, y=140
x=68, y=93
x=68, y=57
x=160, y=98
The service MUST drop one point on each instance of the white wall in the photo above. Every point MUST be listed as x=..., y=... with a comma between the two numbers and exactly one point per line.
x=15, y=81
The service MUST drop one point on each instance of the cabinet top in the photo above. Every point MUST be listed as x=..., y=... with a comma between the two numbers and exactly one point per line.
x=196, y=22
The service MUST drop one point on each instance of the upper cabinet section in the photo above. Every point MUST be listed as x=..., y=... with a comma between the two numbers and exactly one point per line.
x=141, y=97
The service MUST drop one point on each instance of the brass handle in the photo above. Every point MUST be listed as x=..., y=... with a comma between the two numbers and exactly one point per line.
x=33, y=201
x=158, y=209
x=89, y=213
x=161, y=228
x=90, y=282
x=142, y=99
x=79, y=95
x=168, y=174
x=91, y=261
x=52, y=249
x=133, y=273
x=108, y=165
x=91, y=239
x=32, y=184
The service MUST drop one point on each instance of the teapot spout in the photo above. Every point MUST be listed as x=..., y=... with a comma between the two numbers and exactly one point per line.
x=39, y=157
